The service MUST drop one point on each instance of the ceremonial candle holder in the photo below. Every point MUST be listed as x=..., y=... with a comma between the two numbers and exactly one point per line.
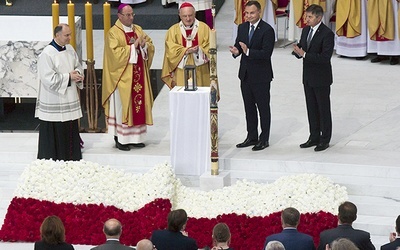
x=190, y=78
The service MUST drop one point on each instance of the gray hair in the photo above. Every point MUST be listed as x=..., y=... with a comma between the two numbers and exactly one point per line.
x=343, y=244
x=275, y=245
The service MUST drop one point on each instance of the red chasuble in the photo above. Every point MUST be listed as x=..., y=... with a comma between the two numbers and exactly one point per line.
x=138, y=108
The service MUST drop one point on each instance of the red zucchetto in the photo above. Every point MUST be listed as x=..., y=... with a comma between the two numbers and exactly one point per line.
x=186, y=4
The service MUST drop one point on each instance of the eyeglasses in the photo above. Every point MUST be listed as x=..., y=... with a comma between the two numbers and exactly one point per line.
x=128, y=14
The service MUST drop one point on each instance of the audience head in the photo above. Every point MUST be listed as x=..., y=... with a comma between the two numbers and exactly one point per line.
x=187, y=14
x=112, y=229
x=342, y=244
x=62, y=34
x=125, y=14
x=145, y=244
x=52, y=230
x=398, y=225
x=221, y=234
x=274, y=245
x=347, y=213
x=290, y=217
x=177, y=220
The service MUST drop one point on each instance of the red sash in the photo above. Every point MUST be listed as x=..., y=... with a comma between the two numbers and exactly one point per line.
x=138, y=107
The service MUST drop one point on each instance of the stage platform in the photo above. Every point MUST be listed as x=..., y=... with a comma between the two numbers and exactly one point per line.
x=150, y=14
x=364, y=154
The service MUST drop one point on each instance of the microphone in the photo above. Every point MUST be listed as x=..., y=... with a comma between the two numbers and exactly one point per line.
x=295, y=54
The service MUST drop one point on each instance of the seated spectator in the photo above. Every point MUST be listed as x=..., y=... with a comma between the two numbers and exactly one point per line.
x=347, y=215
x=145, y=244
x=274, y=245
x=112, y=230
x=290, y=237
x=221, y=236
x=342, y=244
x=174, y=237
x=52, y=232
x=394, y=238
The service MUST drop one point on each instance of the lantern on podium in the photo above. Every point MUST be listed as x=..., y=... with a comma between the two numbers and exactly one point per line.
x=190, y=78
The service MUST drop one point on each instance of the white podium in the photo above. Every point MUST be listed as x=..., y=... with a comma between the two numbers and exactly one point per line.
x=190, y=130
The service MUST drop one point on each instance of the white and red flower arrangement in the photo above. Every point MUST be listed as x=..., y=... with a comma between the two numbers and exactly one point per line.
x=84, y=195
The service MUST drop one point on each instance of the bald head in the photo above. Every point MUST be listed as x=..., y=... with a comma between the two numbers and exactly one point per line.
x=144, y=245
x=112, y=229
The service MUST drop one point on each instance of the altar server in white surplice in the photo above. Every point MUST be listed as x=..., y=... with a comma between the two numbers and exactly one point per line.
x=57, y=106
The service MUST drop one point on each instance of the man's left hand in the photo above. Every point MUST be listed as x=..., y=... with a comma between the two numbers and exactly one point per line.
x=244, y=47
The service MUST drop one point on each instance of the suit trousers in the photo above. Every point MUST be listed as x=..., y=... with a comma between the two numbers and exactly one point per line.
x=257, y=96
x=319, y=112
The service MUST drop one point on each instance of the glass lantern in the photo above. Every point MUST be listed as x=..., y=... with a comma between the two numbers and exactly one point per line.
x=190, y=78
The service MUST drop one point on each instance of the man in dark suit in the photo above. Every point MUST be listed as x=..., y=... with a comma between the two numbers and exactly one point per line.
x=316, y=48
x=290, y=237
x=112, y=230
x=174, y=237
x=394, y=238
x=347, y=215
x=255, y=43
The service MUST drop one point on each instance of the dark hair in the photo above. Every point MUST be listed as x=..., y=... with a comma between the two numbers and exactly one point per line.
x=347, y=212
x=255, y=3
x=315, y=9
x=52, y=230
x=113, y=230
x=291, y=216
x=176, y=220
x=221, y=233
x=398, y=224
x=58, y=29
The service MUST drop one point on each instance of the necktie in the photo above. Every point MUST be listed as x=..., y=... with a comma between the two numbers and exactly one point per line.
x=251, y=32
x=309, y=37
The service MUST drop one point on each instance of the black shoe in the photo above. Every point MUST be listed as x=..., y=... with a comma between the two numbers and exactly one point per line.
x=122, y=147
x=394, y=60
x=137, y=145
x=321, y=146
x=246, y=143
x=360, y=58
x=308, y=144
x=378, y=59
x=260, y=146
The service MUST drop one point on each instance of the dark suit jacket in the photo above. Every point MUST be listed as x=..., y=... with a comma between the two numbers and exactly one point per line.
x=317, y=68
x=112, y=245
x=292, y=240
x=168, y=240
x=359, y=237
x=256, y=67
x=392, y=245
x=40, y=245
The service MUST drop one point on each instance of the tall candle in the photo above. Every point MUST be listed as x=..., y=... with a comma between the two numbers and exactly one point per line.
x=107, y=17
x=89, y=30
x=71, y=22
x=213, y=39
x=55, y=13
